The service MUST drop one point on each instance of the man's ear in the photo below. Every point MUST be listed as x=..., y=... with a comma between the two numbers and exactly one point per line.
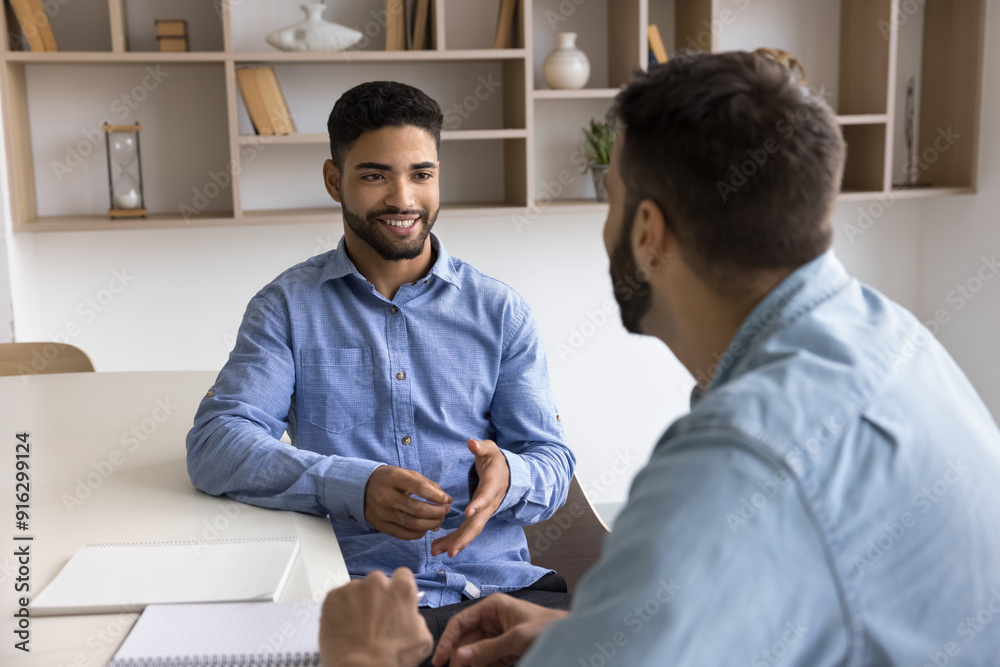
x=331, y=178
x=652, y=240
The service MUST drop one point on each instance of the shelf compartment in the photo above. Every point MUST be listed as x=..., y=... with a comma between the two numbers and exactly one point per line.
x=324, y=139
x=610, y=38
x=865, y=167
x=472, y=95
x=558, y=149
x=182, y=111
x=683, y=24
x=204, y=20
x=80, y=25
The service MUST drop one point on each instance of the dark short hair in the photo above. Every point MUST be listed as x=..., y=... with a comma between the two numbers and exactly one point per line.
x=377, y=104
x=744, y=162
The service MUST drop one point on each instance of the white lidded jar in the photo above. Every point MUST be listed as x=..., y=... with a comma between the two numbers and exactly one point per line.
x=566, y=67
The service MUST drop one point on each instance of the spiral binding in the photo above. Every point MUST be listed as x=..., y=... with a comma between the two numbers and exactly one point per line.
x=241, y=660
x=183, y=543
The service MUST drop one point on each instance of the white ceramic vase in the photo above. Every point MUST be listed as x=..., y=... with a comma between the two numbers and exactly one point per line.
x=566, y=67
x=314, y=34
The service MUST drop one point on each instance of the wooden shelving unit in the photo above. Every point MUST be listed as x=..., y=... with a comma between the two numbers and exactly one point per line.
x=534, y=132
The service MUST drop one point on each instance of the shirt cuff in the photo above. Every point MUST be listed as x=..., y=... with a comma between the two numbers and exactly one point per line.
x=520, y=481
x=344, y=489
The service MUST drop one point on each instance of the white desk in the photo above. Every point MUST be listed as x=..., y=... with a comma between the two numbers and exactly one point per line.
x=77, y=424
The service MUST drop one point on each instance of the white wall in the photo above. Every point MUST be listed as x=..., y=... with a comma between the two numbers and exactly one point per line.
x=955, y=235
x=184, y=293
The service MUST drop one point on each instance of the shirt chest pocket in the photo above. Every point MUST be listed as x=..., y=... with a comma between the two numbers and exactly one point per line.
x=337, y=388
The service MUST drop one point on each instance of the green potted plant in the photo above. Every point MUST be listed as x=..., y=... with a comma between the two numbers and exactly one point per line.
x=599, y=138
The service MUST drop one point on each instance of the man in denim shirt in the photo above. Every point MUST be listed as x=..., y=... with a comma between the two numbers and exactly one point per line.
x=833, y=497
x=414, y=388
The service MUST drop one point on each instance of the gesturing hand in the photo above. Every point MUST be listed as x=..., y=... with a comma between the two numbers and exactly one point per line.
x=374, y=621
x=496, y=631
x=494, y=478
x=390, y=509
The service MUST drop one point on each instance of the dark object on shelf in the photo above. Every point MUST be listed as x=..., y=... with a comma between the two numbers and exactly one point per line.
x=172, y=35
x=125, y=190
x=911, y=170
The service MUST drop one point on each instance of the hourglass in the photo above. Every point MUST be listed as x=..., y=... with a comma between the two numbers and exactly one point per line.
x=124, y=171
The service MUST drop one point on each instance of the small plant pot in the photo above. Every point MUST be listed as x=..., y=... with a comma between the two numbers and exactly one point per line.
x=599, y=171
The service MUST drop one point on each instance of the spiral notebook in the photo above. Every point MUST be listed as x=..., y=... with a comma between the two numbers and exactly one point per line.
x=278, y=634
x=107, y=578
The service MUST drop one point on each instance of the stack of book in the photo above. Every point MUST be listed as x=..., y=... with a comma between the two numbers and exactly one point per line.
x=264, y=101
x=172, y=35
x=35, y=25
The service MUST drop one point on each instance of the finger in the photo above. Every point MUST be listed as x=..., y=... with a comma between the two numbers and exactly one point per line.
x=489, y=651
x=420, y=509
x=474, y=446
x=466, y=621
x=417, y=525
x=455, y=542
x=427, y=490
x=399, y=532
x=404, y=582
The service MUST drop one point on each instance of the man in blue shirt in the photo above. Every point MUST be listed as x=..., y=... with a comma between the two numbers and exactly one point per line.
x=833, y=497
x=414, y=388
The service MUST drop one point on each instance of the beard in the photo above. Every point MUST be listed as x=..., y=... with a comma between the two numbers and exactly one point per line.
x=631, y=284
x=390, y=249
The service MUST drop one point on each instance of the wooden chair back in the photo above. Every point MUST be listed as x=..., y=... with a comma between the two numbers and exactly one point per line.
x=570, y=541
x=39, y=358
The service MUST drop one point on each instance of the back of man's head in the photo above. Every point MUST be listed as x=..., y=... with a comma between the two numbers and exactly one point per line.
x=377, y=104
x=744, y=162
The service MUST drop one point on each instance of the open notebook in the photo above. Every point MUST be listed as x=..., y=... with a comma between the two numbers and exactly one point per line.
x=278, y=634
x=104, y=578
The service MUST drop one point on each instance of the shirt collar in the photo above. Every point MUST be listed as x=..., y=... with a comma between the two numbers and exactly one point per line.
x=801, y=291
x=338, y=264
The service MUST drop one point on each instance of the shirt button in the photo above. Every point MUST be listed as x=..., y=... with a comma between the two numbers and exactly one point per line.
x=394, y=310
x=406, y=440
x=400, y=375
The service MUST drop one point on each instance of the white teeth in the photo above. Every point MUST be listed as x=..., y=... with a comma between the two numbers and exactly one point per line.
x=400, y=223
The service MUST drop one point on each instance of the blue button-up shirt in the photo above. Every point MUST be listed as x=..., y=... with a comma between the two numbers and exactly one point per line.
x=360, y=381
x=833, y=498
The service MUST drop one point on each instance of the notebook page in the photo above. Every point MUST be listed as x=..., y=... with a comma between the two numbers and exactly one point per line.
x=112, y=577
x=217, y=634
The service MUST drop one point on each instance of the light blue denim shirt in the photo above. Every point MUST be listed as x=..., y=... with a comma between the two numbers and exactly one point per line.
x=833, y=498
x=360, y=381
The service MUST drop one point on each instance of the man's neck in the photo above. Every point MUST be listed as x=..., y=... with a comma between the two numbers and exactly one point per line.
x=701, y=324
x=385, y=275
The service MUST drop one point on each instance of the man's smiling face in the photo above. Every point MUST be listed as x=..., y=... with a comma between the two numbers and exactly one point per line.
x=389, y=190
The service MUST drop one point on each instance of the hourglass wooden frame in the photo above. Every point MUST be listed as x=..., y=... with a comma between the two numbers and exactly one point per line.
x=113, y=211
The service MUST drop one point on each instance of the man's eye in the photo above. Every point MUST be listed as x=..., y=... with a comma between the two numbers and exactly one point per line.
x=371, y=177
x=423, y=176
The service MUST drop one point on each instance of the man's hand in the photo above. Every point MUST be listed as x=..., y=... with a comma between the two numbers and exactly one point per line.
x=390, y=509
x=496, y=631
x=494, y=478
x=374, y=621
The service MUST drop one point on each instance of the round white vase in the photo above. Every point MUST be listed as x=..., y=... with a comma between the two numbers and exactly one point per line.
x=314, y=34
x=566, y=67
